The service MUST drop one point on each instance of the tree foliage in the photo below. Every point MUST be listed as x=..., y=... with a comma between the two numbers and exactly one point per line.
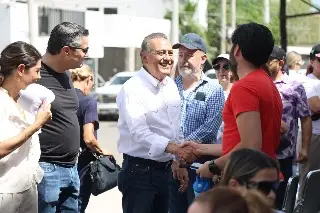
x=301, y=31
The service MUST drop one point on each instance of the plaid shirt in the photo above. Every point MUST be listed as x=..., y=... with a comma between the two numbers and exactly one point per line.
x=201, y=110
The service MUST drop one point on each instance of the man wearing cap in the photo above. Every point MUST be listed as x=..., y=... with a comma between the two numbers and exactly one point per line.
x=253, y=98
x=295, y=106
x=202, y=103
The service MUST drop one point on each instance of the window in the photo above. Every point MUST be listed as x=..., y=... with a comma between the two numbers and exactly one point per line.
x=50, y=17
x=93, y=8
x=110, y=10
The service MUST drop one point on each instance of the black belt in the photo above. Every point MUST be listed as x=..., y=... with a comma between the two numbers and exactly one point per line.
x=152, y=163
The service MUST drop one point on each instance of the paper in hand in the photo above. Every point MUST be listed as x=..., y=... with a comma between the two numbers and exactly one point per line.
x=33, y=96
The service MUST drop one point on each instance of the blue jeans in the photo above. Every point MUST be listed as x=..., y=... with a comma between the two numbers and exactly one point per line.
x=59, y=189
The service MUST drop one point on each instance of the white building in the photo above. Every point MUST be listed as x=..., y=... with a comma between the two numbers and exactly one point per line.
x=116, y=27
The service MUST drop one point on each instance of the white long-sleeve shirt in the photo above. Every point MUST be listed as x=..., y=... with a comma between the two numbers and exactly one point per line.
x=20, y=169
x=149, y=117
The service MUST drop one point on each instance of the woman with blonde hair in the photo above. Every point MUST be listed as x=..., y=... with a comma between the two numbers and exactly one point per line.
x=82, y=79
x=20, y=173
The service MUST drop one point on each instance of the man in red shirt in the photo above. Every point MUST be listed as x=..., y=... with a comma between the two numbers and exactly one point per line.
x=252, y=112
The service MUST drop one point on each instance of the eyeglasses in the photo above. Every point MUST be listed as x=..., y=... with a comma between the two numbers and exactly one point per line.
x=225, y=67
x=84, y=50
x=263, y=186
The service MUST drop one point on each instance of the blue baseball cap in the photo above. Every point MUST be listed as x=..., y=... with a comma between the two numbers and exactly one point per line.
x=191, y=41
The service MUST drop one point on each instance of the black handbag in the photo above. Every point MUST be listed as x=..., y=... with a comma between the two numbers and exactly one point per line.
x=104, y=174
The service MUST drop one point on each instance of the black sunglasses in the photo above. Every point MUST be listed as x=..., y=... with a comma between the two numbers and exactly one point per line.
x=263, y=186
x=84, y=50
x=225, y=66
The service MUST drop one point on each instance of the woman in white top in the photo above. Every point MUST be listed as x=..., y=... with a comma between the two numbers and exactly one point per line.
x=221, y=65
x=19, y=143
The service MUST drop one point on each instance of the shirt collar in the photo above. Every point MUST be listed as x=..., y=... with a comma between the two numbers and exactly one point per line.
x=155, y=82
x=203, y=78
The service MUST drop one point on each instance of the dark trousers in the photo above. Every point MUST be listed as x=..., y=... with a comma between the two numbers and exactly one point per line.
x=286, y=169
x=144, y=185
x=180, y=202
x=85, y=180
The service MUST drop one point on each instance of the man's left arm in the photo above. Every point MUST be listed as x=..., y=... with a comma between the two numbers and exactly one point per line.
x=207, y=132
x=306, y=123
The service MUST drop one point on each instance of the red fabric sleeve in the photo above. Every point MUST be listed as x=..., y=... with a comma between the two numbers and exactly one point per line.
x=244, y=99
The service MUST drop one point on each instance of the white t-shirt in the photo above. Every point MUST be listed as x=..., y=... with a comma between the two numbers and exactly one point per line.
x=314, y=91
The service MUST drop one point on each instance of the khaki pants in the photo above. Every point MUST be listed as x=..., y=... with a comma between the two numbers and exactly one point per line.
x=22, y=202
x=313, y=162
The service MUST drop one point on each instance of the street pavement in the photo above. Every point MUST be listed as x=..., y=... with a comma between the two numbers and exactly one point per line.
x=110, y=201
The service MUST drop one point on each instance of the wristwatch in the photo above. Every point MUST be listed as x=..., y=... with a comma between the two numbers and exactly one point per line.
x=213, y=168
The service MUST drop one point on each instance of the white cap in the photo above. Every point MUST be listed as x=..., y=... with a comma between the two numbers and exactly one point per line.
x=32, y=97
x=221, y=56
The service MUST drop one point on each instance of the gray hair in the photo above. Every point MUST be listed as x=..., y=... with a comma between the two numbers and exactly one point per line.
x=65, y=34
x=145, y=46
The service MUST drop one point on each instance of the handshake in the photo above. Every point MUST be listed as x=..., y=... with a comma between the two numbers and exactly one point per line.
x=187, y=152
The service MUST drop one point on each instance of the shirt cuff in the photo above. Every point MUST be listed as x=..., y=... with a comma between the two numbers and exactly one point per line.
x=158, y=148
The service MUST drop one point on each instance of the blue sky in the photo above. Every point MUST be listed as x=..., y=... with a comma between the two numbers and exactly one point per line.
x=316, y=2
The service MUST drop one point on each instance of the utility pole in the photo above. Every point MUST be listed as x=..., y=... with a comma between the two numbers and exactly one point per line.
x=233, y=14
x=283, y=24
x=266, y=11
x=175, y=22
x=33, y=21
x=223, y=32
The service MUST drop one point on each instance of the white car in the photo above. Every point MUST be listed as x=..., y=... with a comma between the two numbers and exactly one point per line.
x=106, y=95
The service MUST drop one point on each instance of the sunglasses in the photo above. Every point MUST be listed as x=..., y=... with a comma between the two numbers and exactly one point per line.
x=84, y=50
x=264, y=186
x=225, y=67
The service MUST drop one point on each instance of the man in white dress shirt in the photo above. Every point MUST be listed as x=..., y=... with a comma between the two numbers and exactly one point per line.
x=149, y=127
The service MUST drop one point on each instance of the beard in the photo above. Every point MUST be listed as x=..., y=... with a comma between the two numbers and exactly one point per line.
x=187, y=72
x=233, y=65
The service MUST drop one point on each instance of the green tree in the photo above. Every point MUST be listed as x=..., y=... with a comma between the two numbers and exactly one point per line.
x=187, y=24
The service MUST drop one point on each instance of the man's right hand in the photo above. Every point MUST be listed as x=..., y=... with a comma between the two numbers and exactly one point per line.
x=198, y=149
x=185, y=153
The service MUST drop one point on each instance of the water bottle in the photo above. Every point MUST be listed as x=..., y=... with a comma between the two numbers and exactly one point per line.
x=201, y=185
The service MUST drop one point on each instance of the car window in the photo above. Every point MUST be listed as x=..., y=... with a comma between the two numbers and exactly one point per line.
x=120, y=80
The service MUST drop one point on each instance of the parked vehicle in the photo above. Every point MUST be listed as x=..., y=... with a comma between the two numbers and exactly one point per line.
x=106, y=95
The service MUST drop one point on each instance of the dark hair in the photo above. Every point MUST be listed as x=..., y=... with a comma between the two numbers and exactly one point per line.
x=228, y=200
x=309, y=69
x=255, y=42
x=65, y=34
x=145, y=46
x=15, y=54
x=244, y=164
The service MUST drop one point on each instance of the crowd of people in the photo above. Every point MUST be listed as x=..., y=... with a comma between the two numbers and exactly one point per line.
x=189, y=144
